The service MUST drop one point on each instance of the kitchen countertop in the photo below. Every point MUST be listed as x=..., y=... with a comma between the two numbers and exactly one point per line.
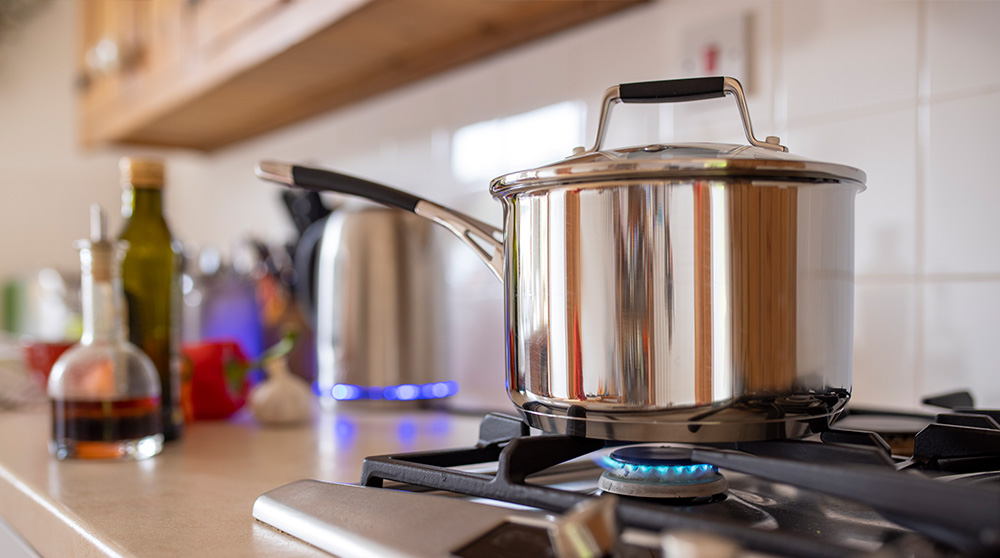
x=195, y=498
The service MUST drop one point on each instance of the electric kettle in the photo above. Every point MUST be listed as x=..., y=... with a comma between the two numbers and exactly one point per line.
x=371, y=281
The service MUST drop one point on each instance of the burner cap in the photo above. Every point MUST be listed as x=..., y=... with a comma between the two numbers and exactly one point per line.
x=659, y=472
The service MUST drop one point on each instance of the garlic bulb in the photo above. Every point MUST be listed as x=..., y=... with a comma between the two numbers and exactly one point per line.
x=282, y=399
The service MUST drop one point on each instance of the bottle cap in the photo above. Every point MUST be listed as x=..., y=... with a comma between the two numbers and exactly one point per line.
x=141, y=173
x=97, y=253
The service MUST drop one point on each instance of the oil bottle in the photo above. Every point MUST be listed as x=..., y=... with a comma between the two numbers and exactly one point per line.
x=151, y=275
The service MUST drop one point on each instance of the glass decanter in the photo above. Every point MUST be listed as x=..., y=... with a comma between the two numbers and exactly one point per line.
x=105, y=392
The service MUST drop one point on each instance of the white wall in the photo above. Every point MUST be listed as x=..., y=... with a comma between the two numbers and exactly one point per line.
x=46, y=182
x=909, y=91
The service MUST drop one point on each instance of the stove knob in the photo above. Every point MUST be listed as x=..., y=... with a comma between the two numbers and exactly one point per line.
x=695, y=544
x=588, y=530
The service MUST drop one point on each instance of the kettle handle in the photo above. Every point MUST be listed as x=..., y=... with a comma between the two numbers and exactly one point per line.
x=305, y=261
x=677, y=91
x=486, y=240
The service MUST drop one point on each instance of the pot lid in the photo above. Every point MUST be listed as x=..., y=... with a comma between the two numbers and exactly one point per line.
x=760, y=160
x=677, y=161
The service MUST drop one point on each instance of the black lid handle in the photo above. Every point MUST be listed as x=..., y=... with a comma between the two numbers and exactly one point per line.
x=672, y=90
x=677, y=91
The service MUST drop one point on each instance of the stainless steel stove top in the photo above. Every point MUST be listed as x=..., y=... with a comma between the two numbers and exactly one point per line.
x=404, y=520
x=538, y=495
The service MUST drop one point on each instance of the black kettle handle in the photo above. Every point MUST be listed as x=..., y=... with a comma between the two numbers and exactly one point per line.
x=677, y=91
x=306, y=260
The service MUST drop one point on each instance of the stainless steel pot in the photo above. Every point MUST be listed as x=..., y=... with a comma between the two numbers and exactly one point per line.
x=689, y=293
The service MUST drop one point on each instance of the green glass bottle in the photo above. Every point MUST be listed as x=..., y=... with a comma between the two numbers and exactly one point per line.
x=151, y=277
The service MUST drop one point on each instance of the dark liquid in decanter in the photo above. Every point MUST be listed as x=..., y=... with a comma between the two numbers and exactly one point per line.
x=106, y=429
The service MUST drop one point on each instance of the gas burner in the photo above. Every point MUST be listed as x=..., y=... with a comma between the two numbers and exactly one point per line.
x=659, y=472
x=841, y=494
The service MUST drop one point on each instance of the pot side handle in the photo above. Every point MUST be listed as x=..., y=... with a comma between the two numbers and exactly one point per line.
x=486, y=240
x=678, y=91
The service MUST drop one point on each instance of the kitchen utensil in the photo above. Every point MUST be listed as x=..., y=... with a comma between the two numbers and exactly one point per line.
x=693, y=292
x=375, y=303
x=305, y=208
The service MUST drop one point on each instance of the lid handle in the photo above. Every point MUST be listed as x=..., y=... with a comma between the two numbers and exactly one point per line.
x=676, y=91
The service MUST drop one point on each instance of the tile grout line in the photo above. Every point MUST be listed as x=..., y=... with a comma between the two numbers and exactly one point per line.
x=927, y=278
x=850, y=113
x=779, y=89
x=922, y=97
x=922, y=140
x=959, y=94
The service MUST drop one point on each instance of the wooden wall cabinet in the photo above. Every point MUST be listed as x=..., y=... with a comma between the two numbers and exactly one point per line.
x=207, y=73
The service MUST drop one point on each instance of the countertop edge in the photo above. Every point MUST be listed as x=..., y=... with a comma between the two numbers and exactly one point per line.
x=196, y=497
x=42, y=524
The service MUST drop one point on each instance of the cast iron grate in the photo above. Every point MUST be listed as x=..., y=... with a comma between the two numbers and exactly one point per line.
x=848, y=464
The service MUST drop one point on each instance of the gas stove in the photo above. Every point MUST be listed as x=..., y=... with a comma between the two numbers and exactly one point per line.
x=935, y=491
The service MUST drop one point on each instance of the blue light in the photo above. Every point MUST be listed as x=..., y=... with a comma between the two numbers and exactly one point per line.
x=407, y=392
x=345, y=392
x=404, y=392
x=406, y=431
x=440, y=389
x=344, y=428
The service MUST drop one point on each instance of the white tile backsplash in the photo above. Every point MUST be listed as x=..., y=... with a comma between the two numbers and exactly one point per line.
x=631, y=125
x=465, y=96
x=719, y=119
x=845, y=54
x=476, y=329
x=963, y=191
x=962, y=45
x=839, y=80
x=883, y=146
x=629, y=46
x=885, y=333
x=961, y=332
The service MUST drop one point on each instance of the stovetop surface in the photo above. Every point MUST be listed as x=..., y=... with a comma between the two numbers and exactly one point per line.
x=749, y=501
x=842, y=493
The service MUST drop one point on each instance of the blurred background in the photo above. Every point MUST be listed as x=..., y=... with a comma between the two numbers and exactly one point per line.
x=908, y=91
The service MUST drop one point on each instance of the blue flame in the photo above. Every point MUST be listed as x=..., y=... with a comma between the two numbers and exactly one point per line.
x=403, y=392
x=694, y=470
